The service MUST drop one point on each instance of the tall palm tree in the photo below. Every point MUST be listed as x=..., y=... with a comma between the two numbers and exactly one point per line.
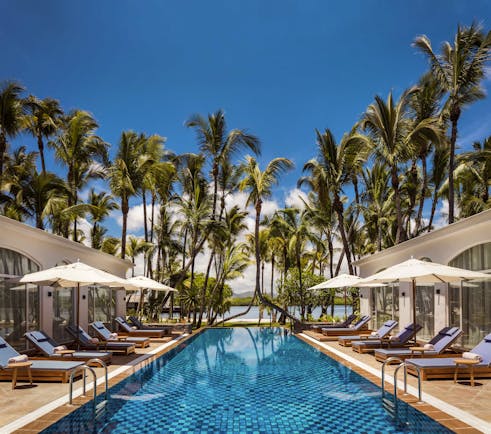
x=135, y=247
x=425, y=104
x=82, y=152
x=438, y=177
x=101, y=204
x=259, y=185
x=11, y=115
x=42, y=121
x=460, y=70
x=394, y=134
x=125, y=176
x=332, y=171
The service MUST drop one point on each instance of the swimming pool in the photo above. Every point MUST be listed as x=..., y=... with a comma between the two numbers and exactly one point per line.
x=247, y=380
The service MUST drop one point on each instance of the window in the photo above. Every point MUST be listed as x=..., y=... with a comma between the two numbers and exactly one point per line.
x=19, y=303
x=102, y=304
x=385, y=302
x=470, y=307
x=425, y=311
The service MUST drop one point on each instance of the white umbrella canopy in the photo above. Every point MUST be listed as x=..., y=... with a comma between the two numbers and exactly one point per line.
x=142, y=282
x=75, y=275
x=423, y=272
x=343, y=281
x=417, y=271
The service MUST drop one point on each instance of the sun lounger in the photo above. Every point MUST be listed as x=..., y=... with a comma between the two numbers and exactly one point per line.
x=444, y=367
x=127, y=329
x=48, y=347
x=399, y=340
x=87, y=342
x=167, y=330
x=342, y=324
x=381, y=333
x=335, y=332
x=441, y=341
x=105, y=334
x=41, y=370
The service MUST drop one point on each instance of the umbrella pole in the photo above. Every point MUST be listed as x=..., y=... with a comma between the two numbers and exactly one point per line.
x=345, y=302
x=414, y=300
x=78, y=308
x=461, y=307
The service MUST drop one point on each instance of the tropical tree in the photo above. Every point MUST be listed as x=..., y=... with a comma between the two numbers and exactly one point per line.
x=125, y=176
x=82, y=152
x=459, y=70
x=101, y=204
x=42, y=121
x=11, y=115
x=332, y=170
x=135, y=247
x=394, y=135
x=259, y=185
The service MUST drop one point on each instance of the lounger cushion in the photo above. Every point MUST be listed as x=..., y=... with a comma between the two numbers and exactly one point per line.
x=40, y=337
x=437, y=362
x=55, y=365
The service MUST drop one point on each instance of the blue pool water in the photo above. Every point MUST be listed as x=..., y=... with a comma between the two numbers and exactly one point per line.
x=245, y=380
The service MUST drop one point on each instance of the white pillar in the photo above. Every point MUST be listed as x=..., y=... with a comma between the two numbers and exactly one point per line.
x=405, y=304
x=441, y=307
x=46, y=309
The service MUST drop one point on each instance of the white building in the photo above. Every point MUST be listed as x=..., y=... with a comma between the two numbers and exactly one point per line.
x=464, y=244
x=24, y=249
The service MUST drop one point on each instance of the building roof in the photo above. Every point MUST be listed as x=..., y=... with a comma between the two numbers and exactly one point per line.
x=7, y=224
x=430, y=237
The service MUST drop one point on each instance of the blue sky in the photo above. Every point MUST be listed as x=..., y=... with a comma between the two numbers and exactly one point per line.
x=278, y=68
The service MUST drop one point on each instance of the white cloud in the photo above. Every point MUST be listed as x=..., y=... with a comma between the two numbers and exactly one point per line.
x=135, y=217
x=84, y=226
x=294, y=198
x=269, y=207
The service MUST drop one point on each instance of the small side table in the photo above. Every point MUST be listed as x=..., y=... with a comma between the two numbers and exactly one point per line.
x=418, y=350
x=15, y=367
x=64, y=353
x=470, y=363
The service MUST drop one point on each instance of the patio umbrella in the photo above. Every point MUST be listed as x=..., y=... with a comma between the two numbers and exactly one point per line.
x=343, y=281
x=75, y=275
x=422, y=272
x=142, y=283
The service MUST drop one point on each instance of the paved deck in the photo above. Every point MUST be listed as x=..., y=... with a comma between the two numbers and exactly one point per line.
x=461, y=400
x=475, y=401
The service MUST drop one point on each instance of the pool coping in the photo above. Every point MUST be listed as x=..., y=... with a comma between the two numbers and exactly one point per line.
x=430, y=404
x=51, y=413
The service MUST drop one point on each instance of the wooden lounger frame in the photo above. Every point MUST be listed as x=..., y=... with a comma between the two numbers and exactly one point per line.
x=448, y=372
x=143, y=334
x=106, y=359
x=346, y=341
x=50, y=375
x=383, y=357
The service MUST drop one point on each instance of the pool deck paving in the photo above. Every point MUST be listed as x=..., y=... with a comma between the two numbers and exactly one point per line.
x=31, y=409
x=457, y=401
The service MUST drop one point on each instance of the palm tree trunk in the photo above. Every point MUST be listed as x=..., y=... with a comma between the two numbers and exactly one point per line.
x=145, y=224
x=41, y=152
x=338, y=205
x=451, y=163
x=422, y=197
x=3, y=148
x=433, y=208
x=395, y=186
x=124, y=211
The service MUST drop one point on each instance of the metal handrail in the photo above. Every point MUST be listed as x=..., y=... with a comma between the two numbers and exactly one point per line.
x=103, y=365
x=84, y=369
x=386, y=362
x=402, y=364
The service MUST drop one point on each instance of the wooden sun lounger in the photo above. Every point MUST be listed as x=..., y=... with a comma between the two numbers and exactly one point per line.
x=44, y=370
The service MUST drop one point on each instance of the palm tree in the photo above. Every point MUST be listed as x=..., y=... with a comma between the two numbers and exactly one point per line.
x=259, y=185
x=135, y=247
x=438, y=177
x=394, y=135
x=333, y=169
x=125, y=176
x=42, y=121
x=474, y=174
x=425, y=105
x=82, y=152
x=219, y=146
x=101, y=204
x=460, y=70
x=11, y=115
